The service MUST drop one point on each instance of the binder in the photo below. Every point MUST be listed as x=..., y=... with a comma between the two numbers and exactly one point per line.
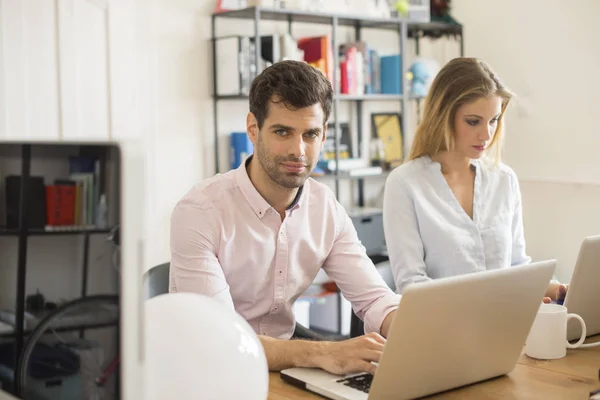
x=235, y=65
x=241, y=147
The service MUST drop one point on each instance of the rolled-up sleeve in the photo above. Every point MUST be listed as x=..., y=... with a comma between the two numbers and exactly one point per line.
x=357, y=277
x=194, y=241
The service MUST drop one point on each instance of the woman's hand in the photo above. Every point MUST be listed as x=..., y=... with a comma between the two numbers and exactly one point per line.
x=555, y=291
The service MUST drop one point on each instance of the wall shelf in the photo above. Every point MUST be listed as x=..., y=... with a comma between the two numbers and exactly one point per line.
x=351, y=20
x=57, y=232
x=342, y=97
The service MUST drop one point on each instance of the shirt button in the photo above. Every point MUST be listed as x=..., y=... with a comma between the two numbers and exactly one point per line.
x=280, y=272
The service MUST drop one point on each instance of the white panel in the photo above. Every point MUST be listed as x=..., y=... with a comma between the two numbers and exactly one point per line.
x=28, y=70
x=41, y=69
x=92, y=69
x=124, y=76
x=66, y=60
x=133, y=227
x=84, y=69
x=15, y=82
x=2, y=76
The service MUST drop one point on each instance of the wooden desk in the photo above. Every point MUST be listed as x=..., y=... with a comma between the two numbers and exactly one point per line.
x=583, y=363
x=572, y=377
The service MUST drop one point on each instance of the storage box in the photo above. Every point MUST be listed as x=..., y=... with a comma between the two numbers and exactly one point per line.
x=325, y=314
x=368, y=223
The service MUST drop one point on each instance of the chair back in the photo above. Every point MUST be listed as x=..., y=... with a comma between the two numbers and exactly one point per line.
x=156, y=280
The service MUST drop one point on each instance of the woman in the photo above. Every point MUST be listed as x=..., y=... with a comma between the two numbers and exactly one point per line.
x=453, y=207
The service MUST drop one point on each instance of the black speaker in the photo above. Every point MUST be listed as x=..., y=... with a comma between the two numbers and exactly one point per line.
x=36, y=206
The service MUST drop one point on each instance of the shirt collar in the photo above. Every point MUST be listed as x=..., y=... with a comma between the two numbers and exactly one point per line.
x=438, y=167
x=256, y=201
x=296, y=202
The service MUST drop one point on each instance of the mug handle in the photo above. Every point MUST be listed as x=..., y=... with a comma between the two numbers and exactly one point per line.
x=583, y=332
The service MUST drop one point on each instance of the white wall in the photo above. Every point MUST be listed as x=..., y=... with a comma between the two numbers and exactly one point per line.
x=547, y=52
x=179, y=153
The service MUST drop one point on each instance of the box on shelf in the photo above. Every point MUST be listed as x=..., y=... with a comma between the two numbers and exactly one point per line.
x=235, y=59
x=325, y=314
x=368, y=223
x=36, y=197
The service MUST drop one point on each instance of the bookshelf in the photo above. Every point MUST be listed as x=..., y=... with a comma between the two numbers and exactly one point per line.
x=28, y=160
x=405, y=29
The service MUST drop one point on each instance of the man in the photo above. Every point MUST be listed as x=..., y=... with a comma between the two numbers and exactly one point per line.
x=255, y=237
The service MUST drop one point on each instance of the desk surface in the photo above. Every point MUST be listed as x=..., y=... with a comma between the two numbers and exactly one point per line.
x=572, y=377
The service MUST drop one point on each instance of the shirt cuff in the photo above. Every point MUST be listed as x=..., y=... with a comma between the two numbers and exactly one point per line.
x=379, y=310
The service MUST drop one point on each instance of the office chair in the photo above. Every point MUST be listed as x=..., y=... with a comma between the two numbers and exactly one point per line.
x=156, y=282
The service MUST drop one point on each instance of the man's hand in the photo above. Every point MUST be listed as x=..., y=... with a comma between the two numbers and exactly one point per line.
x=348, y=356
x=555, y=291
x=353, y=355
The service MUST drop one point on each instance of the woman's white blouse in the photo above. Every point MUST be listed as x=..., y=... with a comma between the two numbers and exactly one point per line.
x=429, y=235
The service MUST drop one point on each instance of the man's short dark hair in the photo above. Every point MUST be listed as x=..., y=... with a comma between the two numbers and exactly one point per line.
x=295, y=83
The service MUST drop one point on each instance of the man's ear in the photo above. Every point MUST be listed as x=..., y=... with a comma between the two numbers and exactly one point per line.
x=252, y=127
x=325, y=131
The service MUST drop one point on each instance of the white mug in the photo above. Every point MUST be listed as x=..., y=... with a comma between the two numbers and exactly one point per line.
x=547, y=338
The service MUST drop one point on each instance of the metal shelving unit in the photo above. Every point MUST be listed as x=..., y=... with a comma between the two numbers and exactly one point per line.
x=23, y=233
x=404, y=28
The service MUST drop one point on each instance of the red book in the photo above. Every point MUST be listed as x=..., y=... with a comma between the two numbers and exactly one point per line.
x=60, y=205
x=318, y=50
x=344, y=88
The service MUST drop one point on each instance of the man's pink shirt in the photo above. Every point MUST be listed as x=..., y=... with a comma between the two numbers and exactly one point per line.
x=228, y=243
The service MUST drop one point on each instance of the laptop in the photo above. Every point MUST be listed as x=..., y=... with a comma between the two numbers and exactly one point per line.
x=583, y=296
x=447, y=333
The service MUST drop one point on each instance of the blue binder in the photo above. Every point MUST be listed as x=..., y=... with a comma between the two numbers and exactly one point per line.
x=240, y=148
x=390, y=74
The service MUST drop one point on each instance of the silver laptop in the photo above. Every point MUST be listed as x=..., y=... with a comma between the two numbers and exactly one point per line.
x=583, y=296
x=447, y=333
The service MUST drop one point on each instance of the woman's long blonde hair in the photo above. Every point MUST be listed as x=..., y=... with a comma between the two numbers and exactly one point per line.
x=460, y=81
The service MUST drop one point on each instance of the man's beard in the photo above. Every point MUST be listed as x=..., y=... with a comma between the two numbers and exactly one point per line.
x=272, y=166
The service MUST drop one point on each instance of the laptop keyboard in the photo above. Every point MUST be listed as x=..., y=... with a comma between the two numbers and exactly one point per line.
x=360, y=382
